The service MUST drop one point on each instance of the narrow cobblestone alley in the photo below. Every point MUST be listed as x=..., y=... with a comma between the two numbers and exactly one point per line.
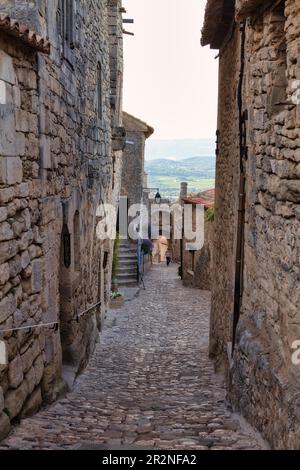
x=149, y=384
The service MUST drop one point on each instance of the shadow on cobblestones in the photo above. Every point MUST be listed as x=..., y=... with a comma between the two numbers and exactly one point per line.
x=149, y=384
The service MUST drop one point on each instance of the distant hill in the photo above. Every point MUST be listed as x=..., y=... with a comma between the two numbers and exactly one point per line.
x=179, y=149
x=166, y=174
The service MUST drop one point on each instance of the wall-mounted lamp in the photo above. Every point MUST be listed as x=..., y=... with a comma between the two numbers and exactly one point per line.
x=158, y=197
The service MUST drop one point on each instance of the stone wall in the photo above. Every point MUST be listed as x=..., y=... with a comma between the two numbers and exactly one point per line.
x=226, y=201
x=60, y=134
x=263, y=382
x=133, y=169
x=134, y=158
x=197, y=266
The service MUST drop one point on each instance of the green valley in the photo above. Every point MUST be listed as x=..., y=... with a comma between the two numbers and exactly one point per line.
x=167, y=174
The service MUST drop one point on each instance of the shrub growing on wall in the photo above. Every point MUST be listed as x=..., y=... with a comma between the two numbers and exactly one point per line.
x=210, y=214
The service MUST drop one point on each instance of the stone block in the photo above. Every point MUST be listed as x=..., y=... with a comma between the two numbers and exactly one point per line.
x=27, y=219
x=2, y=92
x=4, y=273
x=25, y=121
x=27, y=77
x=4, y=425
x=14, y=400
x=22, y=190
x=259, y=119
x=1, y=400
x=8, y=250
x=296, y=155
x=29, y=355
x=26, y=240
x=290, y=191
x=38, y=369
x=37, y=275
x=7, y=71
x=17, y=96
x=15, y=372
x=25, y=259
x=45, y=148
x=15, y=266
x=6, y=232
x=7, y=127
x=6, y=195
x=3, y=214
x=11, y=170
x=33, y=403
x=30, y=379
x=18, y=226
x=8, y=306
x=20, y=143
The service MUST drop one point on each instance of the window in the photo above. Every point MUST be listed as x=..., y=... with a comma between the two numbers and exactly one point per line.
x=113, y=171
x=99, y=91
x=65, y=24
x=60, y=18
x=105, y=260
x=193, y=261
x=76, y=241
x=69, y=23
x=66, y=244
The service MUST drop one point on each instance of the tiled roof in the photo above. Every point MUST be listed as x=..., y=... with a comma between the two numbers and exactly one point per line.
x=133, y=123
x=28, y=37
x=245, y=7
x=206, y=198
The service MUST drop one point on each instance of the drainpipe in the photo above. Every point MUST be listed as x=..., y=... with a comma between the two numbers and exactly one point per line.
x=238, y=288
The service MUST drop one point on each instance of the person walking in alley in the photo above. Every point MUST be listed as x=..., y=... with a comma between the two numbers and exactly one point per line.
x=169, y=256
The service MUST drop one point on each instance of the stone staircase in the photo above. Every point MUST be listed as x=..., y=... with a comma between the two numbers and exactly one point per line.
x=127, y=270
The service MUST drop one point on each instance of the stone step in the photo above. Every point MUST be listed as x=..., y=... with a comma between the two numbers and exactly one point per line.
x=127, y=256
x=127, y=244
x=127, y=283
x=128, y=247
x=127, y=269
x=127, y=264
x=126, y=276
x=128, y=252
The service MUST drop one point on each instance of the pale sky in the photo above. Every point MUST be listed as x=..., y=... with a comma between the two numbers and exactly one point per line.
x=170, y=80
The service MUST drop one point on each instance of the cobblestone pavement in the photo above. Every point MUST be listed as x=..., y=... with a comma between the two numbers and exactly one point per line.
x=150, y=383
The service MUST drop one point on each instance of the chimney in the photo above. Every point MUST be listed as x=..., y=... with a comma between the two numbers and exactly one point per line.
x=183, y=190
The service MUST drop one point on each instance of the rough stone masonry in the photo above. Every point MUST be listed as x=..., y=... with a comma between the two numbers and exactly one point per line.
x=61, y=142
x=256, y=295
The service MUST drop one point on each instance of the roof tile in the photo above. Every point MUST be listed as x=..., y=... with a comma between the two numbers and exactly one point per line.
x=31, y=39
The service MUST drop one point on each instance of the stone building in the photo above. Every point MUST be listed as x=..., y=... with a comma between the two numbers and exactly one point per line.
x=255, y=296
x=61, y=139
x=133, y=175
x=133, y=187
x=196, y=264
